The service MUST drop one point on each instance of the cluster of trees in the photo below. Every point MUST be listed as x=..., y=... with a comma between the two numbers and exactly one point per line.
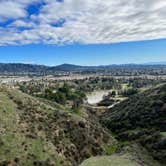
x=128, y=92
x=98, y=83
x=91, y=84
x=64, y=94
x=144, y=82
x=58, y=91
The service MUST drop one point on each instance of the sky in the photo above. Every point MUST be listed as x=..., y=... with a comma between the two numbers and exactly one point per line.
x=85, y=32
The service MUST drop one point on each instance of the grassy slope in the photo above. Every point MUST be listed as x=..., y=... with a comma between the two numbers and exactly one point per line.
x=113, y=160
x=33, y=132
x=14, y=143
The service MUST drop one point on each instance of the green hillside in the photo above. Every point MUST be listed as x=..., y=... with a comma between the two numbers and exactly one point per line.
x=141, y=119
x=33, y=132
x=109, y=161
x=38, y=131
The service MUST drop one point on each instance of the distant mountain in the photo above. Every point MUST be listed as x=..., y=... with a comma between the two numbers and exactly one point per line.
x=20, y=68
x=65, y=67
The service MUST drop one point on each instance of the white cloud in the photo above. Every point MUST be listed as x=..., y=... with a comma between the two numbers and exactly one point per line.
x=85, y=21
x=22, y=23
x=10, y=9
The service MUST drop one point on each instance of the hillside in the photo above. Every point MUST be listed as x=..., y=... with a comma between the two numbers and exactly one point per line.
x=35, y=132
x=141, y=119
x=67, y=67
x=110, y=161
x=15, y=68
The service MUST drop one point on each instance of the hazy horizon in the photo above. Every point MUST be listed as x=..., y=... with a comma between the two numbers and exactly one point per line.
x=145, y=63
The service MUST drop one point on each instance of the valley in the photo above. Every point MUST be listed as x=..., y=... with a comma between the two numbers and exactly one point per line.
x=82, y=121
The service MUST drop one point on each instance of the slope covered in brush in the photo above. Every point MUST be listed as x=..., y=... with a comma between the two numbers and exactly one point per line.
x=34, y=132
x=142, y=119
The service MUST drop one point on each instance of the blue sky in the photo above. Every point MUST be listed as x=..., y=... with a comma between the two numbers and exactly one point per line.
x=87, y=32
x=119, y=53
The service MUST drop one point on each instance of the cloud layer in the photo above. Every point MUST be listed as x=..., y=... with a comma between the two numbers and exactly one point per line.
x=81, y=21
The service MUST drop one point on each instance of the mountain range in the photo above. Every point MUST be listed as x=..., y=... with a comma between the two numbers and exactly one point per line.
x=15, y=68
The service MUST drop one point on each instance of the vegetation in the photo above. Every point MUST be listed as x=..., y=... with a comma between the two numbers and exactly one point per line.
x=35, y=132
x=128, y=92
x=50, y=122
x=113, y=160
x=141, y=118
x=64, y=94
x=163, y=134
